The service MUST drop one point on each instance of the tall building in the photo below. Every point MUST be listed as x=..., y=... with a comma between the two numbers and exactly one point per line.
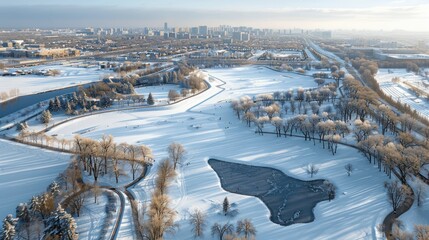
x=165, y=27
x=237, y=36
x=194, y=31
x=203, y=30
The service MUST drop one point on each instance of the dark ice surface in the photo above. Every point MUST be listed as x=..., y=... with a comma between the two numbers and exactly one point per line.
x=289, y=200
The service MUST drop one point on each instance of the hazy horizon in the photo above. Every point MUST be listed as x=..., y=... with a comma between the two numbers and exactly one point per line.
x=384, y=15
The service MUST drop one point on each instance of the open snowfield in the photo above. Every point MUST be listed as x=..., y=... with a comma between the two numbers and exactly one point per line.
x=25, y=172
x=93, y=217
x=159, y=93
x=69, y=76
x=400, y=92
x=207, y=127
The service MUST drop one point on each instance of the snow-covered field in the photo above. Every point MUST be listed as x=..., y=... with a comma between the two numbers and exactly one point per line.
x=93, y=217
x=69, y=76
x=207, y=127
x=26, y=171
x=400, y=92
x=159, y=93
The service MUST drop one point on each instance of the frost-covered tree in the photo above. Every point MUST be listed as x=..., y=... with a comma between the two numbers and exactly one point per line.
x=8, y=230
x=330, y=189
x=46, y=117
x=396, y=193
x=176, y=152
x=421, y=232
x=312, y=169
x=160, y=217
x=198, y=222
x=349, y=169
x=221, y=230
x=77, y=202
x=106, y=145
x=246, y=228
x=60, y=225
x=24, y=220
x=42, y=206
x=420, y=190
x=165, y=175
x=54, y=188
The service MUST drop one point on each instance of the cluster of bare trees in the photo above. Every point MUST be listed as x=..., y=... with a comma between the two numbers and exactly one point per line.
x=101, y=157
x=243, y=230
x=6, y=95
x=40, y=138
x=269, y=109
x=403, y=154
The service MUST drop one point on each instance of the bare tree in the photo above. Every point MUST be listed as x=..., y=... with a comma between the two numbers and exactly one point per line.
x=106, y=145
x=220, y=230
x=77, y=203
x=330, y=189
x=349, y=169
x=134, y=159
x=246, y=228
x=420, y=191
x=165, y=174
x=176, y=153
x=160, y=217
x=198, y=222
x=396, y=193
x=96, y=190
x=421, y=232
x=312, y=169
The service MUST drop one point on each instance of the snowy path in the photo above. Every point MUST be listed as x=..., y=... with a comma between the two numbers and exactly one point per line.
x=126, y=228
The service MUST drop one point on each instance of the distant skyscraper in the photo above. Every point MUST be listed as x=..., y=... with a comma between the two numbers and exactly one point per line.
x=165, y=27
x=203, y=30
x=194, y=31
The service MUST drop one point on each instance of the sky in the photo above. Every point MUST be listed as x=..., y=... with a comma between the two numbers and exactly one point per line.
x=411, y=15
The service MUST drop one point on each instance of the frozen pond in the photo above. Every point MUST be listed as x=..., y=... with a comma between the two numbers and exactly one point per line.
x=289, y=200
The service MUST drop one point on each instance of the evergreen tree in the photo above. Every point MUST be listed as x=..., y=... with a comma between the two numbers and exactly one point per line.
x=68, y=108
x=57, y=104
x=46, y=117
x=225, y=206
x=24, y=219
x=51, y=106
x=54, y=188
x=150, y=99
x=8, y=231
x=60, y=225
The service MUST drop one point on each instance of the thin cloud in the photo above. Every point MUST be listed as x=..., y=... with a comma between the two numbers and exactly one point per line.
x=388, y=18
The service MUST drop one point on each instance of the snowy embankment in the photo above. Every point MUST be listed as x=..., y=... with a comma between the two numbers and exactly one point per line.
x=26, y=171
x=207, y=127
x=69, y=76
x=399, y=91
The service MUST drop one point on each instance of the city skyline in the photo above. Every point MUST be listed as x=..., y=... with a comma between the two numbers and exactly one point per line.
x=332, y=14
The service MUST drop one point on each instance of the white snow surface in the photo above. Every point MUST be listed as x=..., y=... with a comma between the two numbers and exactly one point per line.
x=25, y=172
x=159, y=93
x=401, y=92
x=69, y=76
x=93, y=215
x=360, y=204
